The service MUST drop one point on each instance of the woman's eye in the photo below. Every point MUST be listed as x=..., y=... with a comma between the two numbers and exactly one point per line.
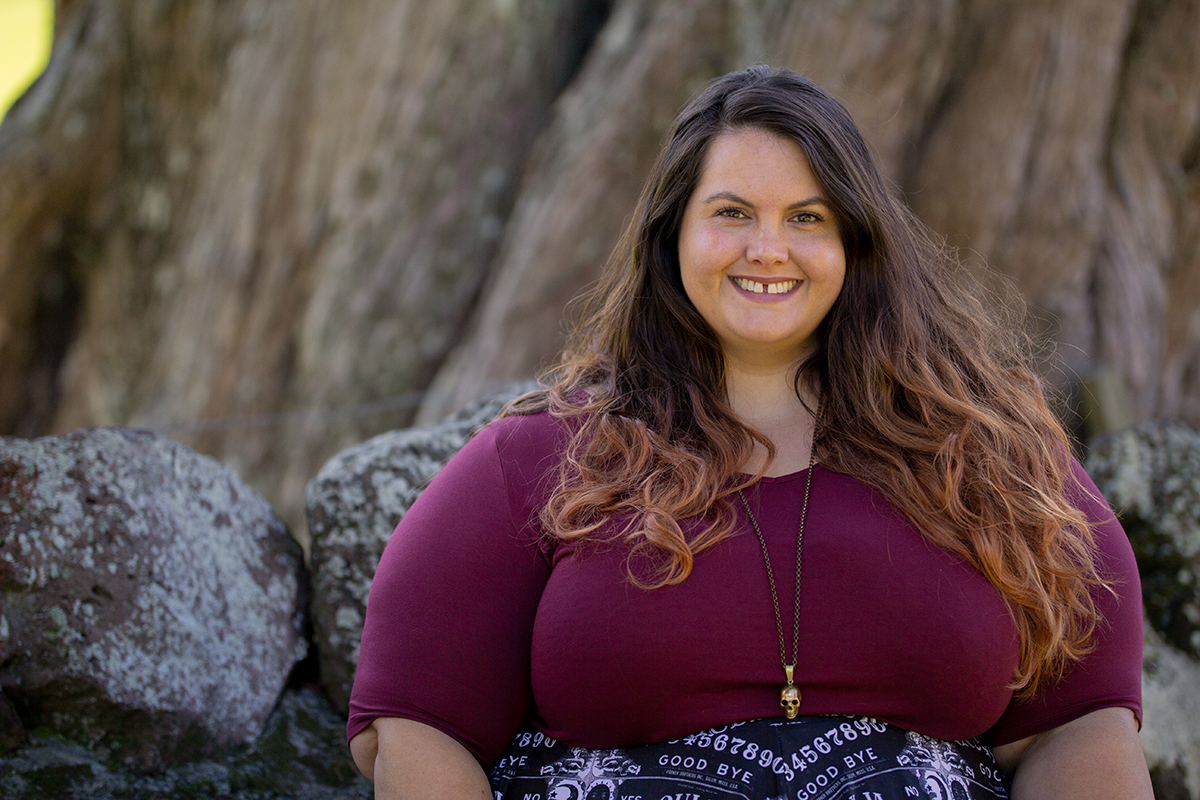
x=734, y=213
x=807, y=216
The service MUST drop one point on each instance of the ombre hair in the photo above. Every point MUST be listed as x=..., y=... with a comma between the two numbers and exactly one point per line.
x=924, y=394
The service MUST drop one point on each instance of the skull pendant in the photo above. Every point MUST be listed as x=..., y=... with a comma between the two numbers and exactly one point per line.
x=789, y=698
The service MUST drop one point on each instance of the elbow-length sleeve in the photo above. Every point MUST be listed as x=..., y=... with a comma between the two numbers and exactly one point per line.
x=450, y=612
x=1111, y=675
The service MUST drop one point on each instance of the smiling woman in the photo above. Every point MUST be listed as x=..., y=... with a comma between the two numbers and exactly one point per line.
x=760, y=253
x=26, y=30
x=791, y=519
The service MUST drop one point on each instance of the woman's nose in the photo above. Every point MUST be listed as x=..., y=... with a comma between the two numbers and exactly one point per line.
x=767, y=246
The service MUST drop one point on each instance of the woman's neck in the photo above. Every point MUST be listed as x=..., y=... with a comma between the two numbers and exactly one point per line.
x=765, y=399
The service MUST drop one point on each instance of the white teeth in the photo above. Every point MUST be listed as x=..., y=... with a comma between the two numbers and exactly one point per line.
x=769, y=288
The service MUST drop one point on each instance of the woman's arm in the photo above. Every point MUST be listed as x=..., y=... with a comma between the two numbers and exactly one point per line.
x=449, y=618
x=408, y=759
x=1095, y=757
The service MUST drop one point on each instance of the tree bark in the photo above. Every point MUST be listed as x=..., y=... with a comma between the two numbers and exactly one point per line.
x=1030, y=134
x=304, y=200
x=267, y=228
x=582, y=182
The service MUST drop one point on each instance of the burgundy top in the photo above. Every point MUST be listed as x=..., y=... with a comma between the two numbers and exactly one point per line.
x=477, y=620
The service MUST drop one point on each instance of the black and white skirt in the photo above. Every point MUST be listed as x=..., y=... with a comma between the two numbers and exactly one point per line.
x=810, y=758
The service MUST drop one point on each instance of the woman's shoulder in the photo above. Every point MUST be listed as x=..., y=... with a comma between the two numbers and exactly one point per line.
x=528, y=447
x=498, y=480
x=1085, y=495
x=528, y=434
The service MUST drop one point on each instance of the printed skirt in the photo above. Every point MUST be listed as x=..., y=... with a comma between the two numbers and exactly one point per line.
x=810, y=758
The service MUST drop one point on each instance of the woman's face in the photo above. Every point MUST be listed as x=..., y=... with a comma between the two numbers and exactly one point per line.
x=760, y=253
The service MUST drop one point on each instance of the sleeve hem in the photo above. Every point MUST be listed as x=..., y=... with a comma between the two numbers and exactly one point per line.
x=360, y=722
x=1018, y=732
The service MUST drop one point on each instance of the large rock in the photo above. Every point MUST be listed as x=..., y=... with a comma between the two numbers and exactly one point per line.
x=1170, y=734
x=301, y=755
x=1151, y=475
x=353, y=506
x=151, y=604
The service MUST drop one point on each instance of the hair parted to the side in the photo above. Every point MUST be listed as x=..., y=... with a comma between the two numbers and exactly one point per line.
x=924, y=394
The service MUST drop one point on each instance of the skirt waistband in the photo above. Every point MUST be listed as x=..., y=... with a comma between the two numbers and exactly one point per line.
x=809, y=758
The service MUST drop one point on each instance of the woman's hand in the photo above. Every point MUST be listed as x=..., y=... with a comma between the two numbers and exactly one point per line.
x=408, y=759
x=1097, y=757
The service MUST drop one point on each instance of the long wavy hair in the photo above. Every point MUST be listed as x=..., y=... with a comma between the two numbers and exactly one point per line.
x=924, y=394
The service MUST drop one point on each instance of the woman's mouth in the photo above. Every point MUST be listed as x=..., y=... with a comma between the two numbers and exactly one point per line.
x=779, y=287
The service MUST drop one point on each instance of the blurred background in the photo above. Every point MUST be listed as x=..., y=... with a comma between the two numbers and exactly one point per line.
x=26, y=30
x=271, y=230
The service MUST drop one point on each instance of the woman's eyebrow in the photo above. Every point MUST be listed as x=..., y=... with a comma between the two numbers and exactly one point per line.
x=733, y=197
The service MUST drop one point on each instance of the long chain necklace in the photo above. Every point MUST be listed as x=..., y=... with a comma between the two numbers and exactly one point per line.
x=789, y=698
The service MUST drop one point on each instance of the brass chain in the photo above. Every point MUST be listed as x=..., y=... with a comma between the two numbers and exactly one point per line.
x=799, y=564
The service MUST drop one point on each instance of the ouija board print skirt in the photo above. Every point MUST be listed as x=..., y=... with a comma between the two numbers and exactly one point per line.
x=810, y=758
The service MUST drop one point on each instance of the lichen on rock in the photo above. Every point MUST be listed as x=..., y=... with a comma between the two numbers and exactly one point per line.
x=1171, y=706
x=1151, y=475
x=353, y=506
x=151, y=604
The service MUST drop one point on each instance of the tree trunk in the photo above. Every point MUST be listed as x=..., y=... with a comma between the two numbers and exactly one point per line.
x=299, y=203
x=267, y=228
x=1057, y=142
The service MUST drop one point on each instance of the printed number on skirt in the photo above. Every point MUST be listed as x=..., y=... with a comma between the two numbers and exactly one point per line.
x=810, y=758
